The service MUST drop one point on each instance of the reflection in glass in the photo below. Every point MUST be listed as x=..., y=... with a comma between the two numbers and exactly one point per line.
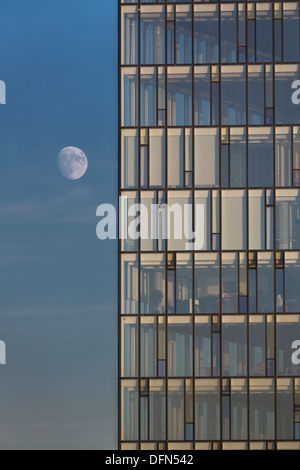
x=207, y=289
x=234, y=346
x=206, y=34
x=207, y=409
x=153, y=274
x=262, y=406
x=203, y=346
x=260, y=156
x=257, y=345
x=233, y=95
x=229, y=283
x=180, y=346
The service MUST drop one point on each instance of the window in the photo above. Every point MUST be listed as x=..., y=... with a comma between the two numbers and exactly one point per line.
x=207, y=409
x=130, y=415
x=203, y=346
x=129, y=108
x=152, y=39
x=283, y=156
x=153, y=274
x=230, y=283
x=180, y=346
x=287, y=331
x=157, y=410
x=206, y=34
x=228, y=33
x=234, y=346
x=130, y=158
x=233, y=95
x=264, y=32
x=262, y=406
x=287, y=219
x=239, y=429
x=129, y=34
x=129, y=292
x=206, y=158
x=257, y=345
x=234, y=222
x=202, y=95
x=176, y=410
x=175, y=158
x=148, y=352
x=179, y=96
x=285, y=409
x=157, y=158
x=285, y=111
x=207, y=279
x=256, y=94
x=260, y=157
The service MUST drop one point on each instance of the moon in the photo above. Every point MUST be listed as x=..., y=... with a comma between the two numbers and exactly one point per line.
x=72, y=163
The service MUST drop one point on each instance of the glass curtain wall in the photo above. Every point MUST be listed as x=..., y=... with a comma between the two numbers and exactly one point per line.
x=209, y=123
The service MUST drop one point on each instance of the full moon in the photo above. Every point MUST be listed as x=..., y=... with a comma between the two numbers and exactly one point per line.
x=72, y=163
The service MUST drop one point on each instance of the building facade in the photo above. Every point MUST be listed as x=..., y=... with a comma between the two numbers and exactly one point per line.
x=208, y=114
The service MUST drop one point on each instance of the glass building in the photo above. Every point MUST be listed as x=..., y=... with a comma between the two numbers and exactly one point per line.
x=206, y=114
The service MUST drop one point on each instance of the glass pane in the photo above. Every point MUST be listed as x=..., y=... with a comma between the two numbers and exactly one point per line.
x=180, y=346
x=292, y=282
x=291, y=32
x=228, y=33
x=287, y=219
x=285, y=409
x=130, y=158
x=260, y=155
x=207, y=283
x=283, y=157
x=153, y=272
x=285, y=111
x=256, y=94
x=265, y=282
x=129, y=35
x=176, y=410
x=233, y=95
x=183, y=34
x=206, y=158
x=234, y=223
x=202, y=96
x=129, y=92
x=203, y=346
x=206, y=34
x=175, y=158
x=129, y=347
x=207, y=409
x=129, y=284
x=256, y=202
x=157, y=158
x=262, y=405
x=148, y=347
x=239, y=428
x=130, y=413
x=287, y=331
x=152, y=42
x=157, y=410
x=179, y=96
x=264, y=32
x=237, y=157
x=184, y=281
x=229, y=283
x=234, y=346
x=257, y=345
x=148, y=96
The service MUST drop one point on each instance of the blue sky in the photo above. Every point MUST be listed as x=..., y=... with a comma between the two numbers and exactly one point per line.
x=58, y=313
